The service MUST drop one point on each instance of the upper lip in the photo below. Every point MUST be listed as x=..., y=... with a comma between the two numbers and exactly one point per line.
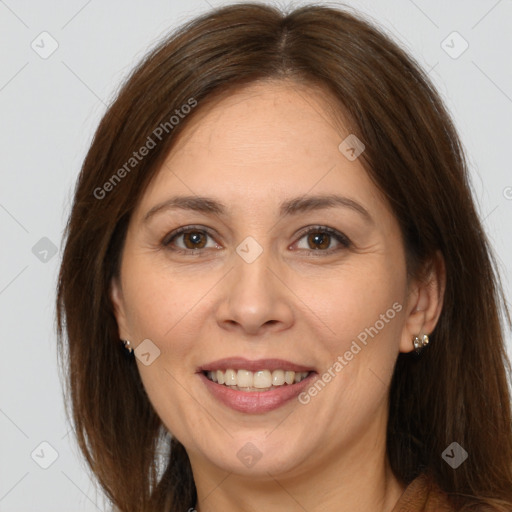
x=240, y=363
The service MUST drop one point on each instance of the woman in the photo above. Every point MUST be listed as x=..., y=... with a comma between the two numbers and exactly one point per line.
x=275, y=219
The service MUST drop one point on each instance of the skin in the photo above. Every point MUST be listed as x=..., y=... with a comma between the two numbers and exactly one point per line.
x=252, y=150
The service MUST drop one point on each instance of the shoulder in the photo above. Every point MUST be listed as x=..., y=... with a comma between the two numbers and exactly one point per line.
x=423, y=495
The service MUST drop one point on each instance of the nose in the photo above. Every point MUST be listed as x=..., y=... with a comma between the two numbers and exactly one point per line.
x=255, y=298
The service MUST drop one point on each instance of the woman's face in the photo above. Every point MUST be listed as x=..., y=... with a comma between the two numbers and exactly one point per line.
x=269, y=277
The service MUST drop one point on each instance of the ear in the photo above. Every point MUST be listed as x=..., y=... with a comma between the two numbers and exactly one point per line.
x=425, y=302
x=116, y=296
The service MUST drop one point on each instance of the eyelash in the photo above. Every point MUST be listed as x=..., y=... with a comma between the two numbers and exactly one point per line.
x=341, y=238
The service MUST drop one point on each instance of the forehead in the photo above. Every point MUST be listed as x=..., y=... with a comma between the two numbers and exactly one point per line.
x=265, y=141
x=263, y=120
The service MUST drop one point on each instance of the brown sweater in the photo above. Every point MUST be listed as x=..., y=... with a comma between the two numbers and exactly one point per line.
x=422, y=495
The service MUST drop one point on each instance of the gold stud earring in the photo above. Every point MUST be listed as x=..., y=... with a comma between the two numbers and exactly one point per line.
x=420, y=343
x=127, y=346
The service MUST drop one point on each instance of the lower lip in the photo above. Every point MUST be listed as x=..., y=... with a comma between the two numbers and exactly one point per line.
x=255, y=402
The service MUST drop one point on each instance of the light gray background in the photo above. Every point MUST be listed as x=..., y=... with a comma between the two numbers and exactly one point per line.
x=49, y=109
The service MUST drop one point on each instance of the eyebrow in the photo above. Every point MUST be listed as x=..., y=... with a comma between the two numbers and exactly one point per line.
x=294, y=206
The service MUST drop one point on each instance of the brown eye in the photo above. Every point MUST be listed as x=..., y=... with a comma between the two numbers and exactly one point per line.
x=194, y=240
x=323, y=240
x=319, y=240
x=189, y=240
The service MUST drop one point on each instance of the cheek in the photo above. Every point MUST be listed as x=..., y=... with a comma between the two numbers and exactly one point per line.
x=156, y=299
x=361, y=301
x=365, y=309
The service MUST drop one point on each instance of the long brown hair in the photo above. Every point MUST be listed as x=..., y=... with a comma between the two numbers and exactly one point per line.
x=457, y=391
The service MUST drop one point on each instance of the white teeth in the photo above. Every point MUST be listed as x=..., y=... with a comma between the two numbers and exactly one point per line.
x=289, y=377
x=230, y=378
x=262, y=379
x=278, y=377
x=255, y=381
x=244, y=379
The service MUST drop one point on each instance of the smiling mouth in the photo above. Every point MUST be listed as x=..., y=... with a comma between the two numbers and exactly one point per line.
x=262, y=380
